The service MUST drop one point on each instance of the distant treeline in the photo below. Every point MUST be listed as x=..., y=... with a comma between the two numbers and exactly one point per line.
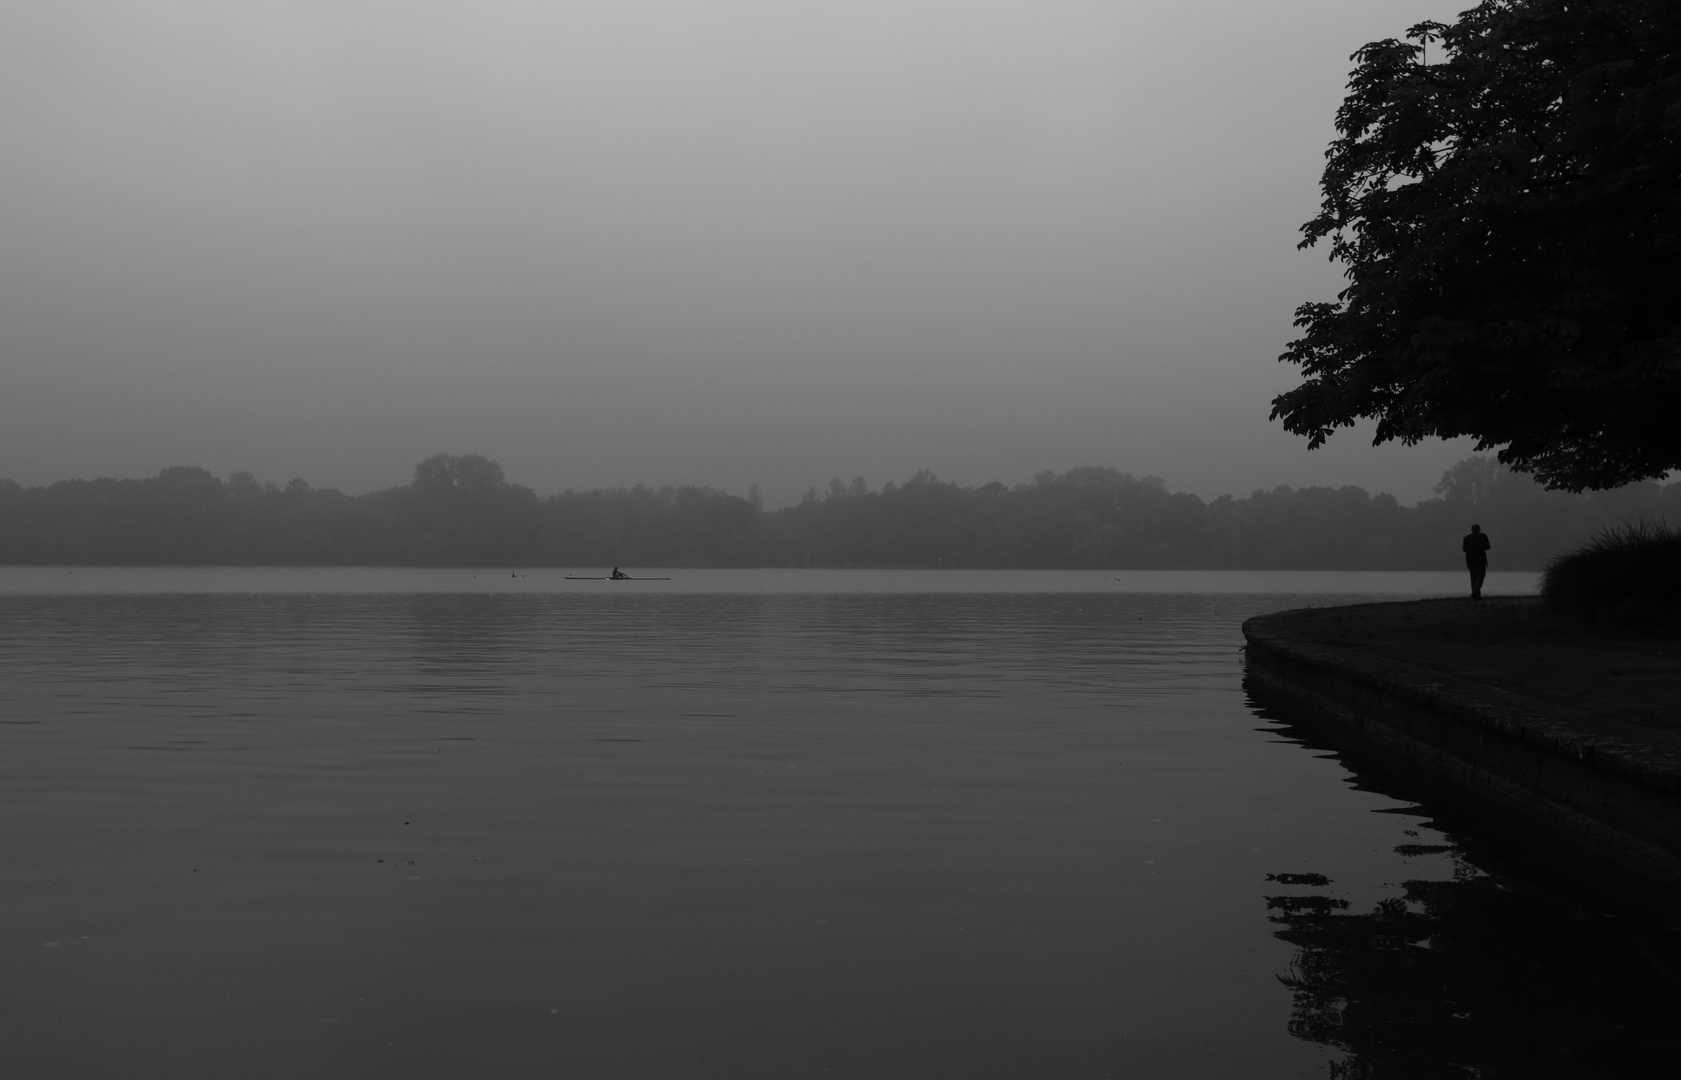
x=461, y=511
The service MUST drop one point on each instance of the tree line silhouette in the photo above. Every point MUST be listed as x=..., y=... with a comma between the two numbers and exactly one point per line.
x=462, y=511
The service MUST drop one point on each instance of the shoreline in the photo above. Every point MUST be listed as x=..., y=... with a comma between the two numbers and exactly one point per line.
x=1572, y=728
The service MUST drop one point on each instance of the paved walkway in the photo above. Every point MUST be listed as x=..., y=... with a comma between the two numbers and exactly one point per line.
x=1622, y=677
x=1575, y=727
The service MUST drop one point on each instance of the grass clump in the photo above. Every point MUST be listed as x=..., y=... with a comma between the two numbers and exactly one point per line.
x=1629, y=575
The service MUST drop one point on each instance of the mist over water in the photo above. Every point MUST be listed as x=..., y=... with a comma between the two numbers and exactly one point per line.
x=769, y=826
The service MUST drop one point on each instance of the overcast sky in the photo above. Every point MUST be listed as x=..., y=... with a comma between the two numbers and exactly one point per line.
x=670, y=241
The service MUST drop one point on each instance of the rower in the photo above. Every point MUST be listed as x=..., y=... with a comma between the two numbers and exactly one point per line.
x=616, y=576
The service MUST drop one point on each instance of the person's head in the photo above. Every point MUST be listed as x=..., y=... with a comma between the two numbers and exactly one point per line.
x=1476, y=528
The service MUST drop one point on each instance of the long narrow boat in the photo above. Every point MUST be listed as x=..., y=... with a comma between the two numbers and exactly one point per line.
x=569, y=577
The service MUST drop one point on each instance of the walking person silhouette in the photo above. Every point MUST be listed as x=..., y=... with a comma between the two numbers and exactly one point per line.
x=1475, y=546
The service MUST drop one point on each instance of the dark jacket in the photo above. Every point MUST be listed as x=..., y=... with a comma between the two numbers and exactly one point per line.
x=1475, y=545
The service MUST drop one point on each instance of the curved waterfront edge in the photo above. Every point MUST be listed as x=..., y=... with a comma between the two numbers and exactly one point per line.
x=1610, y=789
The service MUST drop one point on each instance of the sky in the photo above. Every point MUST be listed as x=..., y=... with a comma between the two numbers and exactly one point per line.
x=715, y=242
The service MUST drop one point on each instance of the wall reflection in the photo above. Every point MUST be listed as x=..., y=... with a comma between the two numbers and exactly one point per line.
x=1494, y=970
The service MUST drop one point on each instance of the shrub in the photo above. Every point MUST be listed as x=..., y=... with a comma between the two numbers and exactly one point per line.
x=1629, y=575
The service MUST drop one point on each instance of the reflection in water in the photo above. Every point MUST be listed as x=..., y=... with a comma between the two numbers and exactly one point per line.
x=1484, y=971
x=729, y=835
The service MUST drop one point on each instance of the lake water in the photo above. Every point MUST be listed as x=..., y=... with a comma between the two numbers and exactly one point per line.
x=396, y=823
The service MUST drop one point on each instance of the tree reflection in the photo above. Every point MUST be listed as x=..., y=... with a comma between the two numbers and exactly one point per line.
x=1473, y=977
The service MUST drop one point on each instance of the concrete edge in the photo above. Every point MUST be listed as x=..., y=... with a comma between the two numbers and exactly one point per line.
x=1608, y=791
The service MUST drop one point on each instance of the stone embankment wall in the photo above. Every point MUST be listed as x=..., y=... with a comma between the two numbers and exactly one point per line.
x=1602, y=786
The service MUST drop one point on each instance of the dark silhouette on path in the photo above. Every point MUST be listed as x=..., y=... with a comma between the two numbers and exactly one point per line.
x=1476, y=545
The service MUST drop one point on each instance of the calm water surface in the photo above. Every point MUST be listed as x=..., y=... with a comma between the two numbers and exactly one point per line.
x=264, y=823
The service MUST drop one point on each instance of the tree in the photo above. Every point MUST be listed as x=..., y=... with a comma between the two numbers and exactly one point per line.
x=1510, y=223
x=469, y=472
x=462, y=510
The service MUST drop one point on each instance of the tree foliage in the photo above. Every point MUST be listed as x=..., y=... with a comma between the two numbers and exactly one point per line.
x=1509, y=218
